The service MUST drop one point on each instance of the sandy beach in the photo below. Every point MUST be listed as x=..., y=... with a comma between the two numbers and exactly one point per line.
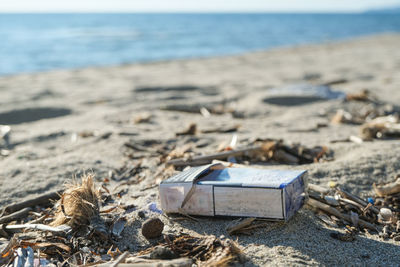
x=68, y=122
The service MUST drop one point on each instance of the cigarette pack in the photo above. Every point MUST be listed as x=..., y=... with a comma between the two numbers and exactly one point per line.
x=215, y=190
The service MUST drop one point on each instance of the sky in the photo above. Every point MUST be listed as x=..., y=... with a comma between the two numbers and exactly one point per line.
x=192, y=5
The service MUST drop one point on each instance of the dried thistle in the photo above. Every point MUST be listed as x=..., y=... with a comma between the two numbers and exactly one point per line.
x=78, y=204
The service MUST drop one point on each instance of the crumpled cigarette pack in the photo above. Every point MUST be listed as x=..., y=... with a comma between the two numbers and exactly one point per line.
x=216, y=190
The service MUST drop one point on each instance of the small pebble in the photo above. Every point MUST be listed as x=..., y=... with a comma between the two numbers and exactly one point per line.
x=142, y=214
x=152, y=228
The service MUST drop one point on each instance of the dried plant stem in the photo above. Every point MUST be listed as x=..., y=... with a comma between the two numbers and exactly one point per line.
x=16, y=215
x=387, y=189
x=333, y=211
x=199, y=160
x=242, y=224
x=357, y=200
x=39, y=200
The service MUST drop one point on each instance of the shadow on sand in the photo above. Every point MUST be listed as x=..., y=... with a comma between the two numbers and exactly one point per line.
x=18, y=116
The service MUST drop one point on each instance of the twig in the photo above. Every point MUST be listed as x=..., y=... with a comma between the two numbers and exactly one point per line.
x=242, y=224
x=356, y=199
x=387, y=189
x=318, y=189
x=41, y=227
x=183, y=213
x=16, y=215
x=333, y=211
x=337, y=81
x=120, y=259
x=39, y=200
x=199, y=160
x=140, y=262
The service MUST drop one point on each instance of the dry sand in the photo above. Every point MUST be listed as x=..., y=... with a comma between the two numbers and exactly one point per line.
x=47, y=110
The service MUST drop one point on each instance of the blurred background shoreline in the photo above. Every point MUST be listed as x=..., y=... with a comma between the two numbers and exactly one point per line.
x=37, y=42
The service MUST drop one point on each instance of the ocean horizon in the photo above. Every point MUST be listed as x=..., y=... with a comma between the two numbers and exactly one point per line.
x=42, y=42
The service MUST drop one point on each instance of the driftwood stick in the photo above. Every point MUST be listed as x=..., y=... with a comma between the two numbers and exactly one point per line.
x=318, y=189
x=199, y=160
x=333, y=211
x=333, y=82
x=387, y=189
x=138, y=262
x=14, y=216
x=242, y=224
x=41, y=227
x=356, y=199
x=120, y=259
x=40, y=200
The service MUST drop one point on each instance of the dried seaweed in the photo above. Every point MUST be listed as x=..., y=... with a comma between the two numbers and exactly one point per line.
x=204, y=250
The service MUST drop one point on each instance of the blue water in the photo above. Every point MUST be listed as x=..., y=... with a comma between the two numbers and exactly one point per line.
x=38, y=42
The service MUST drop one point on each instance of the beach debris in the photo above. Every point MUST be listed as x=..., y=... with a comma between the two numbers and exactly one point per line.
x=206, y=250
x=379, y=214
x=88, y=133
x=41, y=200
x=364, y=95
x=318, y=204
x=5, y=140
x=78, y=204
x=216, y=190
x=343, y=116
x=152, y=228
x=153, y=208
x=5, y=131
x=300, y=94
x=24, y=257
x=212, y=108
x=245, y=226
x=15, y=215
x=191, y=130
x=335, y=82
x=204, y=111
x=142, y=118
x=267, y=150
x=141, y=262
x=388, y=189
x=243, y=223
x=385, y=214
x=118, y=227
x=77, y=231
x=381, y=127
x=224, y=129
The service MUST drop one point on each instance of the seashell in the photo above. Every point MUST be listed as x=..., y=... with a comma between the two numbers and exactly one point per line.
x=386, y=214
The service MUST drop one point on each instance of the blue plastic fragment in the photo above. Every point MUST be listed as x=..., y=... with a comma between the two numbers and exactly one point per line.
x=153, y=207
x=371, y=200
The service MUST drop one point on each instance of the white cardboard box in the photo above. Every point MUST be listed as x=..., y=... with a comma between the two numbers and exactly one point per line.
x=213, y=190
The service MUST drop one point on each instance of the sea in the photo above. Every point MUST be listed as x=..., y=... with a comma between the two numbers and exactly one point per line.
x=42, y=42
